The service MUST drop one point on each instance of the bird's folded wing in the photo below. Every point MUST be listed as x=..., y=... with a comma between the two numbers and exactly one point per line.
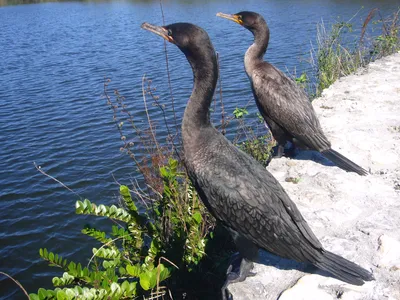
x=288, y=105
x=248, y=199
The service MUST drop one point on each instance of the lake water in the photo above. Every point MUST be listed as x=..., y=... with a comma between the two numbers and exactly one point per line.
x=54, y=57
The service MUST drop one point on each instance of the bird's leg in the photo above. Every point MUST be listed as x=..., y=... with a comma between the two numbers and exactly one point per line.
x=238, y=270
x=241, y=263
x=291, y=151
x=278, y=151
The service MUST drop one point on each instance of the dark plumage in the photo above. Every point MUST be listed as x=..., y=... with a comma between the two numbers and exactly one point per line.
x=236, y=189
x=284, y=106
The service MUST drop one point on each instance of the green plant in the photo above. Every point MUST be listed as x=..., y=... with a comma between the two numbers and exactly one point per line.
x=302, y=80
x=260, y=118
x=129, y=261
x=184, y=237
x=175, y=209
x=332, y=58
x=123, y=267
x=338, y=55
x=389, y=41
x=251, y=137
x=240, y=112
x=294, y=180
x=259, y=148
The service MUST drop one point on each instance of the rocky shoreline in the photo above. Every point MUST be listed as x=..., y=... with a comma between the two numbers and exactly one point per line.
x=357, y=217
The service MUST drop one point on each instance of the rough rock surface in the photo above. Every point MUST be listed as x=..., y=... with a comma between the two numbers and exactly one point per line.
x=357, y=217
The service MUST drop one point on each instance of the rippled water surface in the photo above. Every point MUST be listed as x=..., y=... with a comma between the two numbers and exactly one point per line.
x=54, y=57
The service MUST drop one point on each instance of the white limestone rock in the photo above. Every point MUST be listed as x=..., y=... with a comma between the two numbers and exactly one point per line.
x=357, y=217
x=389, y=253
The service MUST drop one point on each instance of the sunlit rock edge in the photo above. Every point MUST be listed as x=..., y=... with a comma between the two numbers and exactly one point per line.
x=353, y=216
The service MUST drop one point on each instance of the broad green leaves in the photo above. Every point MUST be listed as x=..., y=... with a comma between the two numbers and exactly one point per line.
x=113, y=212
x=240, y=112
x=129, y=254
x=126, y=195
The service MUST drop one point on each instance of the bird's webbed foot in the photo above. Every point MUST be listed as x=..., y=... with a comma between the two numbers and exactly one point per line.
x=238, y=270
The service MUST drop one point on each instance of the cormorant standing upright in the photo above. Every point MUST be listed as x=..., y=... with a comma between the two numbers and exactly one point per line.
x=284, y=106
x=237, y=190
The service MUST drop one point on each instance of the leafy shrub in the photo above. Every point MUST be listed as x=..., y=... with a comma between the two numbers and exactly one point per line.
x=388, y=42
x=259, y=148
x=135, y=258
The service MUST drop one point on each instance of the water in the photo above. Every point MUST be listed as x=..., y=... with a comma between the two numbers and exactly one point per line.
x=54, y=57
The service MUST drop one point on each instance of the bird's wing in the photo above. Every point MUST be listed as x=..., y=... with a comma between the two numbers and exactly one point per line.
x=286, y=104
x=247, y=198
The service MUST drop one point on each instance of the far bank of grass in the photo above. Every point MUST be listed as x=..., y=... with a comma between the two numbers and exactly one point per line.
x=339, y=52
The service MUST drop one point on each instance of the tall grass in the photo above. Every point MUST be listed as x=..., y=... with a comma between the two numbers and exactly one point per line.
x=334, y=60
x=335, y=56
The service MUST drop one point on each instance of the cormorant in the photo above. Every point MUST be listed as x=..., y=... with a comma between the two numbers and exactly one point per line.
x=285, y=107
x=237, y=190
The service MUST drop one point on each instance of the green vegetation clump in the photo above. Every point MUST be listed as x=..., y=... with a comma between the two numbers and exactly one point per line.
x=260, y=148
x=240, y=112
x=333, y=59
x=252, y=136
x=142, y=248
x=335, y=56
x=136, y=259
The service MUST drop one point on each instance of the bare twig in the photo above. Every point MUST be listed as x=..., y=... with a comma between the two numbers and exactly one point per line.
x=158, y=271
x=147, y=114
x=366, y=21
x=145, y=197
x=115, y=180
x=160, y=106
x=39, y=168
x=168, y=73
x=127, y=145
x=16, y=281
x=156, y=295
x=223, y=125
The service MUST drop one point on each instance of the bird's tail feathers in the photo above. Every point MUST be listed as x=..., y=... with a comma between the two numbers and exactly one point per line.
x=343, y=162
x=344, y=269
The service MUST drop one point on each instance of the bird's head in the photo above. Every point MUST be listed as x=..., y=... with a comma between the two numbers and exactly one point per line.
x=189, y=38
x=247, y=19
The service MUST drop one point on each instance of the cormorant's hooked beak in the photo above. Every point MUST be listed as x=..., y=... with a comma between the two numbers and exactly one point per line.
x=234, y=18
x=159, y=30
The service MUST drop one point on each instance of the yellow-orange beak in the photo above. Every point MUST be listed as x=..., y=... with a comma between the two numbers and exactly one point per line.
x=234, y=18
x=159, y=30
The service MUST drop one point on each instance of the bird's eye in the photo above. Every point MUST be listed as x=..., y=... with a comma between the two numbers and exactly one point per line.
x=240, y=17
x=169, y=32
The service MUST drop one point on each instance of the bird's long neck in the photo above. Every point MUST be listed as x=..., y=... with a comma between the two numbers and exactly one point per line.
x=205, y=75
x=254, y=55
